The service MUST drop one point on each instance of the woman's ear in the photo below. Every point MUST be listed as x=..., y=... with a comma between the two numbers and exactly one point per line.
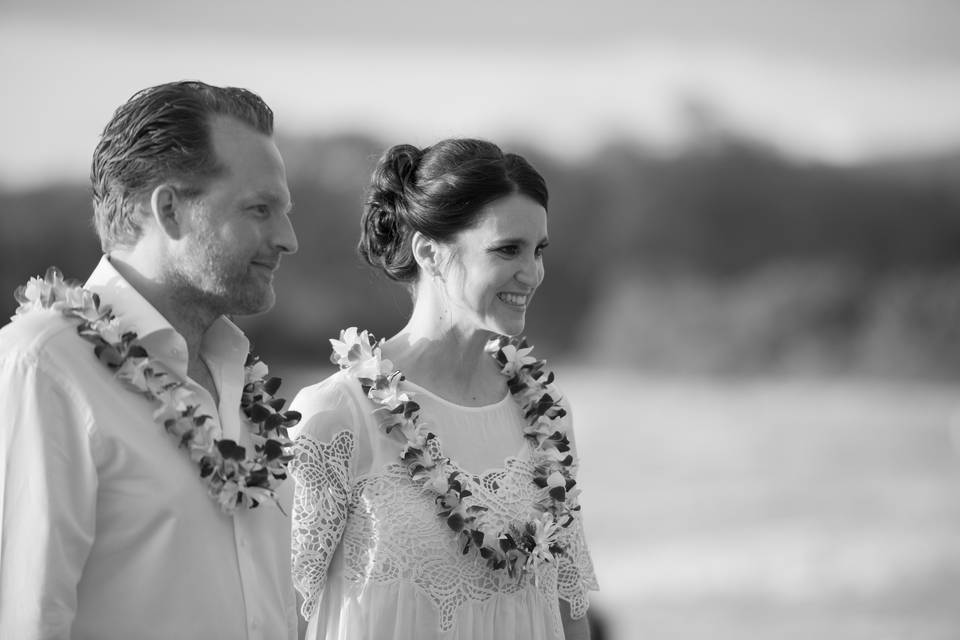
x=166, y=207
x=426, y=252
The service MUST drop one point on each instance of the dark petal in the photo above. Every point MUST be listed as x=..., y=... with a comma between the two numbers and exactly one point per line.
x=273, y=421
x=271, y=385
x=136, y=351
x=558, y=493
x=108, y=355
x=259, y=413
x=259, y=477
x=455, y=521
x=231, y=450
x=272, y=450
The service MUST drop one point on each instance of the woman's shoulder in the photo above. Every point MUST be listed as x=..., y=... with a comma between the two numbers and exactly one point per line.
x=336, y=402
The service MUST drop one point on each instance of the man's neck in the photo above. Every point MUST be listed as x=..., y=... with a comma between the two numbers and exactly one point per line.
x=189, y=319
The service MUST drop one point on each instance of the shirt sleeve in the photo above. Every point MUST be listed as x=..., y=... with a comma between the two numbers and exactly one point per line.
x=324, y=464
x=47, y=499
x=575, y=573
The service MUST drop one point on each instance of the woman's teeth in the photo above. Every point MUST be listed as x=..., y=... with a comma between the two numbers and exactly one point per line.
x=515, y=299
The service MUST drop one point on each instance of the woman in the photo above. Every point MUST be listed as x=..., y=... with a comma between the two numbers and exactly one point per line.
x=440, y=502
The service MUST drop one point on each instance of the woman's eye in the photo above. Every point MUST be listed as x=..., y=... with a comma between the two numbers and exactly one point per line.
x=508, y=251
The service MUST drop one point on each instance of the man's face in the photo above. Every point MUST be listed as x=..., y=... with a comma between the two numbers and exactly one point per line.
x=239, y=227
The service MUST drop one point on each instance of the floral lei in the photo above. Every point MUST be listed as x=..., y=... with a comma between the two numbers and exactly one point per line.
x=232, y=478
x=521, y=548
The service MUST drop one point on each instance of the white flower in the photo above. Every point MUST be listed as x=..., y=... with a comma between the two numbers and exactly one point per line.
x=134, y=371
x=556, y=479
x=437, y=479
x=110, y=330
x=542, y=428
x=174, y=401
x=545, y=534
x=386, y=391
x=256, y=371
x=227, y=496
x=201, y=441
x=516, y=359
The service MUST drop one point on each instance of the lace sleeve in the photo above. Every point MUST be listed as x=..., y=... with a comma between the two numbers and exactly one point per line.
x=575, y=574
x=321, y=475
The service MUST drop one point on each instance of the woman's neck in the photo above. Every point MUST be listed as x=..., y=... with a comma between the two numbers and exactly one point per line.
x=447, y=359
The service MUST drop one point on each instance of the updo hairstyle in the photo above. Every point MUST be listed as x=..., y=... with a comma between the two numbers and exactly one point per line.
x=438, y=191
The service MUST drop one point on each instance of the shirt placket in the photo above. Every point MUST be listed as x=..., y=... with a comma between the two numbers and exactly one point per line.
x=230, y=383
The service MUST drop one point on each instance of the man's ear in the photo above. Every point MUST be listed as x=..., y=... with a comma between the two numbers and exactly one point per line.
x=167, y=209
x=427, y=253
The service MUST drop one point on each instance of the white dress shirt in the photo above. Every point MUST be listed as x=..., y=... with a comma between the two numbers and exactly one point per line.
x=107, y=528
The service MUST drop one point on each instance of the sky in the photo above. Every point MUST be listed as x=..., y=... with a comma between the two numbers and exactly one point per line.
x=842, y=81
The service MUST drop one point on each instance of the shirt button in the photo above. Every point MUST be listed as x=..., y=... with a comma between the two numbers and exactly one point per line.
x=243, y=543
x=254, y=623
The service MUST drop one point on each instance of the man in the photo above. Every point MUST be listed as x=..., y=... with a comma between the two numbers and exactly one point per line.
x=112, y=527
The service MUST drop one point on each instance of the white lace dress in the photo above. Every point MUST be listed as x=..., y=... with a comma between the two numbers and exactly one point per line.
x=370, y=556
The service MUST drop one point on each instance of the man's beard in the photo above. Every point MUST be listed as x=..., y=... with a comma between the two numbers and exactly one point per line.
x=220, y=287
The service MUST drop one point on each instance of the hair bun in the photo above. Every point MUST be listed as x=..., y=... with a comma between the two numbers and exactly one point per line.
x=405, y=159
x=384, y=227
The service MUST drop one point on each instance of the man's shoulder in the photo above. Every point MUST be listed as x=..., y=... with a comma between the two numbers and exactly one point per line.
x=40, y=335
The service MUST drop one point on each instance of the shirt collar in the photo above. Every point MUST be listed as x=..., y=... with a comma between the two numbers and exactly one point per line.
x=223, y=341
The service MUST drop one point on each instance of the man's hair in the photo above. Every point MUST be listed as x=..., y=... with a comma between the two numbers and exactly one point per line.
x=162, y=134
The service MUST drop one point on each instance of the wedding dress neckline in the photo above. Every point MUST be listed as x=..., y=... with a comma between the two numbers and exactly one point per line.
x=483, y=407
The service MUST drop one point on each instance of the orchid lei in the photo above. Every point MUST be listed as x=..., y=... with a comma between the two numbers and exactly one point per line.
x=233, y=479
x=522, y=547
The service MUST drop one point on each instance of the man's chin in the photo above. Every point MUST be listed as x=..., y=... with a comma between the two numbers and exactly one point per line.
x=255, y=306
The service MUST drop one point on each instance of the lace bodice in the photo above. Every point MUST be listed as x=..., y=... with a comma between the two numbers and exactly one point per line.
x=359, y=521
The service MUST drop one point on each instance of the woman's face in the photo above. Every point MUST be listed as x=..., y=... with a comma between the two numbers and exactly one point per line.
x=494, y=267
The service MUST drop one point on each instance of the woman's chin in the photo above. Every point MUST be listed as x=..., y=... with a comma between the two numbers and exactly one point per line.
x=511, y=329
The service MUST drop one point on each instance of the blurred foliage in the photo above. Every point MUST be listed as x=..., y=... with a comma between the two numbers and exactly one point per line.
x=725, y=257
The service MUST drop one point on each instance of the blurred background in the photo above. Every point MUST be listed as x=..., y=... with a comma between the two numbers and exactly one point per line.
x=753, y=284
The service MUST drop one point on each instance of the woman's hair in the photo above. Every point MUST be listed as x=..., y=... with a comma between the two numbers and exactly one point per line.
x=438, y=191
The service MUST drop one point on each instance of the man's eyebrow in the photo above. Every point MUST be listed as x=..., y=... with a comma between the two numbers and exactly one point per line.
x=271, y=197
